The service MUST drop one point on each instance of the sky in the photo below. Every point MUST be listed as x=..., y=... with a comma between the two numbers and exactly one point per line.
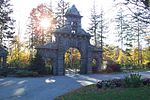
x=22, y=9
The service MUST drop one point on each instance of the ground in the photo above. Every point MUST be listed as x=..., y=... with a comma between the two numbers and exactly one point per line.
x=47, y=88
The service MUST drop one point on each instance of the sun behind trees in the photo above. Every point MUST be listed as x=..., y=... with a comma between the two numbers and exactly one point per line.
x=42, y=24
x=43, y=21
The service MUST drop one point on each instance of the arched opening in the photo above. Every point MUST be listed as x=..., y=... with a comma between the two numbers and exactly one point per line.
x=49, y=66
x=72, y=61
x=94, y=65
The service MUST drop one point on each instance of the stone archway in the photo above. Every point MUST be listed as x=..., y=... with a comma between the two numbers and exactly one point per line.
x=72, y=61
x=49, y=65
x=71, y=35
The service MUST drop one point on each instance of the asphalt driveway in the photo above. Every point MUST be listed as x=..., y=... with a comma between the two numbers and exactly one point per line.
x=47, y=88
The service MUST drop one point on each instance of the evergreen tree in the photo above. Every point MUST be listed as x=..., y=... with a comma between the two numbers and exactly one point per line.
x=6, y=21
x=31, y=38
x=144, y=9
x=125, y=33
x=94, y=25
x=138, y=29
x=37, y=64
x=62, y=6
x=121, y=27
x=103, y=28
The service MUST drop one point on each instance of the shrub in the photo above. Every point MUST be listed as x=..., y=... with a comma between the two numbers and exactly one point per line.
x=99, y=84
x=148, y=65
x=110, y=83
x=18, y=64
x=133, y=80
x=117, y=82
x=146, y=81
x=128, y=65
x=113, y=68
x=37, y=64
x=7, y=71
x=109, y=70
x=94, y=69
x=3, y=72
x=26, y=73
x=103, y=84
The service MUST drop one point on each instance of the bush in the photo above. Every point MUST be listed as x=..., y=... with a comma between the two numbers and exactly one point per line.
x=146, y=81
x=99, y=84
x=113, y=68
x=7, y=71
x=26, y=73
x=18, y=64
x=3, y=72
x=37, y=64
x=110, y=83
x=117, y=82
x=94, y=69
x=133, y=80
x=148, y=65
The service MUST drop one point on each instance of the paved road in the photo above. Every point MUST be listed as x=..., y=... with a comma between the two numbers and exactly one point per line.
x=47, y=88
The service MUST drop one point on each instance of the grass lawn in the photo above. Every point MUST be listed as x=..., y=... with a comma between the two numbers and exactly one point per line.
x=126, y=71
x=136, y=70
x=92, y=93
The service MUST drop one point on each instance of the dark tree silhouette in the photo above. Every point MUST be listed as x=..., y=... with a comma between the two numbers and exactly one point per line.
x=62, y=6
x=37, y=64
x=94, y=25
x=6, y=21
x=144, y=9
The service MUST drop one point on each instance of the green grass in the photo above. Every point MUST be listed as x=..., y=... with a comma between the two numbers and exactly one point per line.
x=137, y=70
x=92, y=93
x=126, y=71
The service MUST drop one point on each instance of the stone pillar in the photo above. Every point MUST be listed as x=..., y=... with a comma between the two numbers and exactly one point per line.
x=83, y=65
x=60, y=65
x=54, y=66
x=89, y=67
x=98, y=62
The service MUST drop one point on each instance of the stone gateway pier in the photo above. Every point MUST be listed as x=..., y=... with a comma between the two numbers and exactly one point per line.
x=70, y=36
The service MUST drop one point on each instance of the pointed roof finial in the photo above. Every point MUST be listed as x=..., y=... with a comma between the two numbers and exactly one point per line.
x=72, y=11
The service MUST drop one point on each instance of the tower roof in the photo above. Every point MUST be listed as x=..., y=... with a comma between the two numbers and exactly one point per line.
x=72, y=11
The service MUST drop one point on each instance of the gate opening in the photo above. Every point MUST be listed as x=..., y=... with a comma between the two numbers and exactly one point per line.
x=72, y=61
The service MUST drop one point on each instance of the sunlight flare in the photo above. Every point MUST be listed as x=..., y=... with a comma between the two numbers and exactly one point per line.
x=45, y=23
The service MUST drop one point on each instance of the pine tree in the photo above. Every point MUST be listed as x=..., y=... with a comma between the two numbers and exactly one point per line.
x=31, y=38
x=62, y=6
x=144, y=9
x=138, y=29
x=125, y=34
x=6, y=21
x=94, y=25
x=37, y=64
x=103, y=28
x=121, y=25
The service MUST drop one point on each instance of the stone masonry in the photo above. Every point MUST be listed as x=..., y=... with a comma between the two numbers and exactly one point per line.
x=71, y=35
